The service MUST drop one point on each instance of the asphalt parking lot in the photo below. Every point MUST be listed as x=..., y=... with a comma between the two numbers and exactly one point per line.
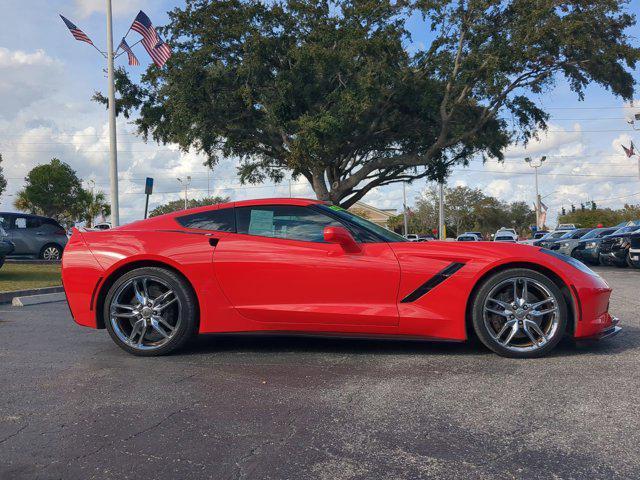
x=74, y=406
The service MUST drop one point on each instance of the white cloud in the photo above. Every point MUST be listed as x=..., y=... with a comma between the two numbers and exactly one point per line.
x=26, y=78
x=85, y=8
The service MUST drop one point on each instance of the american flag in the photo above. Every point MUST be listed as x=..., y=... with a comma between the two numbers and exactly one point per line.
x=132, y=58
x=155, y=47
x=76, y=32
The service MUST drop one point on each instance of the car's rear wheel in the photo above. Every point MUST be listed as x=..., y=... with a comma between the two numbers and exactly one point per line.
x=51, y=252
x=150, y=311
x=519, y=313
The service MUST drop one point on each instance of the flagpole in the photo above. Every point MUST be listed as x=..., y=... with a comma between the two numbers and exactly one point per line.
x=101, y=52
x=113, y=153
x=130, y=47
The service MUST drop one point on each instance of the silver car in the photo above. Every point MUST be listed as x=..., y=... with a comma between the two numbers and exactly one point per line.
x=33, y=235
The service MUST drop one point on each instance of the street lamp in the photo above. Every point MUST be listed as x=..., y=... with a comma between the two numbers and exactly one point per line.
x=536, y=164
x=186, y=183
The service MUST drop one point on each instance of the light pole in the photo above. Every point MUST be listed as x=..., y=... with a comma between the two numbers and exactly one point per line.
x=113, y=155
x=536, y=164
x=441, y=232
x=186, y=183
x=404, y=208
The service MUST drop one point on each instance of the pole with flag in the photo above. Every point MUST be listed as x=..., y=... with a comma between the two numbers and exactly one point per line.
x=630, y=152
x=133, y=60
x=113, y=154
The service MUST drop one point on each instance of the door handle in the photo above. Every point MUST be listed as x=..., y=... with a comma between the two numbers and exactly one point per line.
x=213, y=242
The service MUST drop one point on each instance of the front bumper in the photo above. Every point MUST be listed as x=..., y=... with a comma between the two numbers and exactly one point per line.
x=608, y=332
x=617, y=257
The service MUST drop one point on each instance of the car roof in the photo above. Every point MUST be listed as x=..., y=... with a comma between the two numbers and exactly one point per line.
x=162, y=220
x=29, y=215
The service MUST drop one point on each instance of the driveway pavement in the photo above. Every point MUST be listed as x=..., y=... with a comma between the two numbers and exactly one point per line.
x=74, y=406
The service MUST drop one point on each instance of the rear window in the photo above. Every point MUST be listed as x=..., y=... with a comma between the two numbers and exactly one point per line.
x=222, y=220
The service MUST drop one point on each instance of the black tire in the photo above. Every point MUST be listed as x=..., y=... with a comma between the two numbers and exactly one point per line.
x=488, y=339
x=2, y=261
x=188, y=323
x=48, y=250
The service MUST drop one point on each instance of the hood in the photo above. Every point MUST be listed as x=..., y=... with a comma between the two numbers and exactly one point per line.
x=465, y=250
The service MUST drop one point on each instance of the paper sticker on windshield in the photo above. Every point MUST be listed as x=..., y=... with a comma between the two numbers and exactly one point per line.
x=337, y=208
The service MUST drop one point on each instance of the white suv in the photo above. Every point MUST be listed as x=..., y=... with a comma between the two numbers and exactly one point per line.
x=505, y=235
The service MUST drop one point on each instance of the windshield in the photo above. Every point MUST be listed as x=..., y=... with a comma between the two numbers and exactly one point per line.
x=597, y=233
x=630, y=228
x=553, y=235
x=386, y=235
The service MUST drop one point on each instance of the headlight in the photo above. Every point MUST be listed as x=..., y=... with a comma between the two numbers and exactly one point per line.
x=591, y=245
x=566, y=244
x=571, y=261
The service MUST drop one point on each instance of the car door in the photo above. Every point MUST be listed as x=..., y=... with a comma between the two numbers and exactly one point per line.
x=24, y=235
x=277, y=269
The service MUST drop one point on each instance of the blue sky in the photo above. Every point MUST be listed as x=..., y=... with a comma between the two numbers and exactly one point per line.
x=47, y=79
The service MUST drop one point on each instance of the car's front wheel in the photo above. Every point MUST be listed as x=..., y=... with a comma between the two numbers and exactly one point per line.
x=150, y=311
x=519, y=313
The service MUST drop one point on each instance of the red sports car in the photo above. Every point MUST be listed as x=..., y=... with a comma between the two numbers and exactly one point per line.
x=293, y=265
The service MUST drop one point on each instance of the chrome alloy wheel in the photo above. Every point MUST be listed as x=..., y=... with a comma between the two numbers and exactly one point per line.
x=521, y=314
x=51, y=253
x=145, y=313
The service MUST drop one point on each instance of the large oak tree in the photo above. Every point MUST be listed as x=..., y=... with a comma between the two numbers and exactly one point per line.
x=336, y=92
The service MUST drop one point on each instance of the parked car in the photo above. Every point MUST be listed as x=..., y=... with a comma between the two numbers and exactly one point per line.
x=468, y=237
x=426, y=238
x=588, y=248
x=412, y=237
x=301, y=265
x=6, y=246
x=505, y=235
x=614, y=249
x=477, y=234
x=566, y=243
x=102, y=226
x=566, y=226
x=536, y=236
x=33, y=235
x=550, y=238
x=634, y=250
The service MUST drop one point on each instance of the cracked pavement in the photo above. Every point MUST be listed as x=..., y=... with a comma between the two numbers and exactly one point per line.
x=74, y=406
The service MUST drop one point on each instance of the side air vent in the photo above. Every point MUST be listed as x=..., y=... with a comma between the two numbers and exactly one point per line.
x=433, y=282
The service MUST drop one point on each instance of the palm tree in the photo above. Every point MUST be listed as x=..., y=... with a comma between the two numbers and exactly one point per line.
x=94, y=204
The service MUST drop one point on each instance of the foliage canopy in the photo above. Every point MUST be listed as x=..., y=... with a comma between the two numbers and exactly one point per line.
x=337, y=93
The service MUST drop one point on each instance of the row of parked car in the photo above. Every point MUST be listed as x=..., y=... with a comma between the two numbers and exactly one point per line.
x=618, y=245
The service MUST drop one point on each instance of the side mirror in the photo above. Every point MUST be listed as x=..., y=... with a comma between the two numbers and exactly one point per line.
x=341, y=236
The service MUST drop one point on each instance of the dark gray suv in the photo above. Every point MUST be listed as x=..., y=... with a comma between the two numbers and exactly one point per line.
x=33, y=235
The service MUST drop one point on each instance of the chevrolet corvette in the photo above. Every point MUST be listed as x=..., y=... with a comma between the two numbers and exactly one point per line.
x=308, y=267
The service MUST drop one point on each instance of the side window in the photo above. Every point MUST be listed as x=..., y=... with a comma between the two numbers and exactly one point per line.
x=5, y=222
x=20, y=223
x=284, y=221
x=222, y=220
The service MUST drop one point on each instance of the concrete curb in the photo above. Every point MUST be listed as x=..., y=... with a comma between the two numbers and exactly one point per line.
x=30, y=261
x=7, y=297
x=37, y=299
